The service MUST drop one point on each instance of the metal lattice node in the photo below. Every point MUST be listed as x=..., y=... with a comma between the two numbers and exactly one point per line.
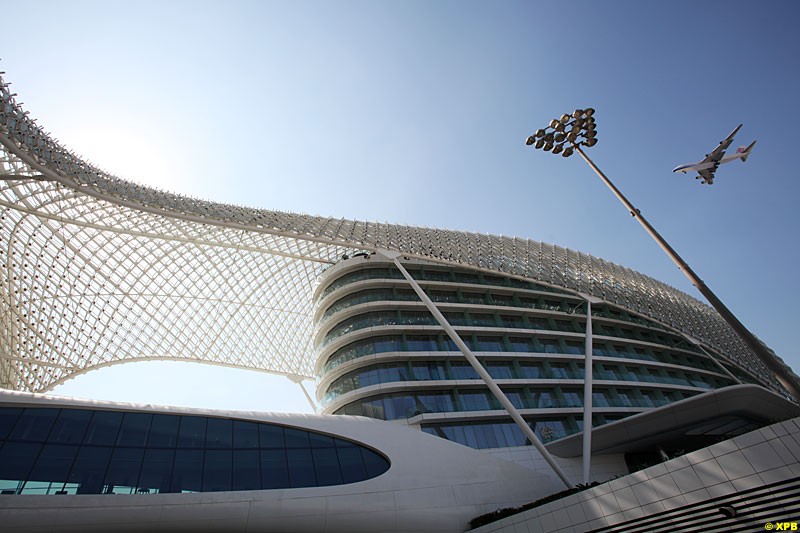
x=97, y=271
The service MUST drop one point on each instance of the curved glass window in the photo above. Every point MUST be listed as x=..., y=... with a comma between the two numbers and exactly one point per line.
x=442, y=343
x=378, y=318
x=392, y=406
x=82, y=451
x=361, y=275
x=371, y=295
x=433, y=275
x=455, y=318
x=446, y=296
x=483, y=435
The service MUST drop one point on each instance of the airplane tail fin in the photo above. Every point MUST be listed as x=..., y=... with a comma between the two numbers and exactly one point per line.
x=744, y=152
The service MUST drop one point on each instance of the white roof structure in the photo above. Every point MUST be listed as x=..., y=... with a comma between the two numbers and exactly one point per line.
x=97, y=271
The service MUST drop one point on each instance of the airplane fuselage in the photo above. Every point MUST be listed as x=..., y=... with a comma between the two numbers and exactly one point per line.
x=697, y=167
x=693, y=167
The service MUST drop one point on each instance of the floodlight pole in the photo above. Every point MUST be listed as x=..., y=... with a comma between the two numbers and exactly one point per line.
x=785, y=378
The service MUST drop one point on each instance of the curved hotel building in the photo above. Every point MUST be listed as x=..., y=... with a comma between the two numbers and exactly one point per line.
x=381, y=354
x=451, y=373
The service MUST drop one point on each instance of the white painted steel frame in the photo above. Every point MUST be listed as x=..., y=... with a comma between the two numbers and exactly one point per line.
x=588, y=371
x=98, y=271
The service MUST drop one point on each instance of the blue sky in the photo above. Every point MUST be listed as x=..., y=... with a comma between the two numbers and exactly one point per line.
x=416, y=112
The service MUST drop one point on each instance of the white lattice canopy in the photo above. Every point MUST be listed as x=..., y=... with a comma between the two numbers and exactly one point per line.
x=98, y=271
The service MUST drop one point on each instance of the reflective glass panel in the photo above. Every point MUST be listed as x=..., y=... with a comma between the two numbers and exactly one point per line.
x=34, y=425
x=134, y=429
x=192, y=433
x=296, y=438
x=164, y=431
x=326, y=466
x=103, y=428
x=16, y=461
x=352, y=464
x=301, y=467
x=53, y=466
x=186, y=471
x=89, y=469
x=156, y=471
x=246, y=470
x=8, y=417
x=271, y=436
x=374, y=464
x=245, y=434
x=70, y=426
x=274, y=469
x=219, y=433
x=217, y=471
x=123, y=471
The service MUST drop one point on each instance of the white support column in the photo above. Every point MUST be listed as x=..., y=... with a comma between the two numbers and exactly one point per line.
x=299, y=381
x=587, y=397
x=498, y=393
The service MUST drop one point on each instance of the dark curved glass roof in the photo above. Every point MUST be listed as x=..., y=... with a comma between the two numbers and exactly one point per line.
x=84, y=451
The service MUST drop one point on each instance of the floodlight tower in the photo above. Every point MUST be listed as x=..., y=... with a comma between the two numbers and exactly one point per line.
x=568, y=134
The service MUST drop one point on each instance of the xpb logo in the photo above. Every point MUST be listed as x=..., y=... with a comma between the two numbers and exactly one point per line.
x=781, y=526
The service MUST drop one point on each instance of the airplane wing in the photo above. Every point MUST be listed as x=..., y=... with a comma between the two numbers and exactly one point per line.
x=713, y=159
x=716, y=155
x=708, y=174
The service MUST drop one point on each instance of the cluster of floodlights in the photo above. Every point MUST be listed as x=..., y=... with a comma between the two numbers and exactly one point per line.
x=571, y=130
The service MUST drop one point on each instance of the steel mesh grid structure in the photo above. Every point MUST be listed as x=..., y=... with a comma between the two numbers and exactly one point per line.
x=97, y=271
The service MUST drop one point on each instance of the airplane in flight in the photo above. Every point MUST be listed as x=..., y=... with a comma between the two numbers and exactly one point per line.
x=708, y=166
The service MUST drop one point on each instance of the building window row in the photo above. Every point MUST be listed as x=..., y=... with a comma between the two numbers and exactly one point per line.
x=510, y=343
x=493, y=319
x=393, y=406
x=458, y=296
x=442, y=343
x=455, y=318
x=482, y=435
x=404, y=371
x=650, y=332
x=80, y=451
x=450, y=276
x=497, y=434
x=477, y=319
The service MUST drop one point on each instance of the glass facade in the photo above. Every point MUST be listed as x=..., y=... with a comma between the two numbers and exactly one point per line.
x=526, y=333
x=432, y=274
x=497, y=434
x=81, y=451
x=392, y=406
x=404, y=371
